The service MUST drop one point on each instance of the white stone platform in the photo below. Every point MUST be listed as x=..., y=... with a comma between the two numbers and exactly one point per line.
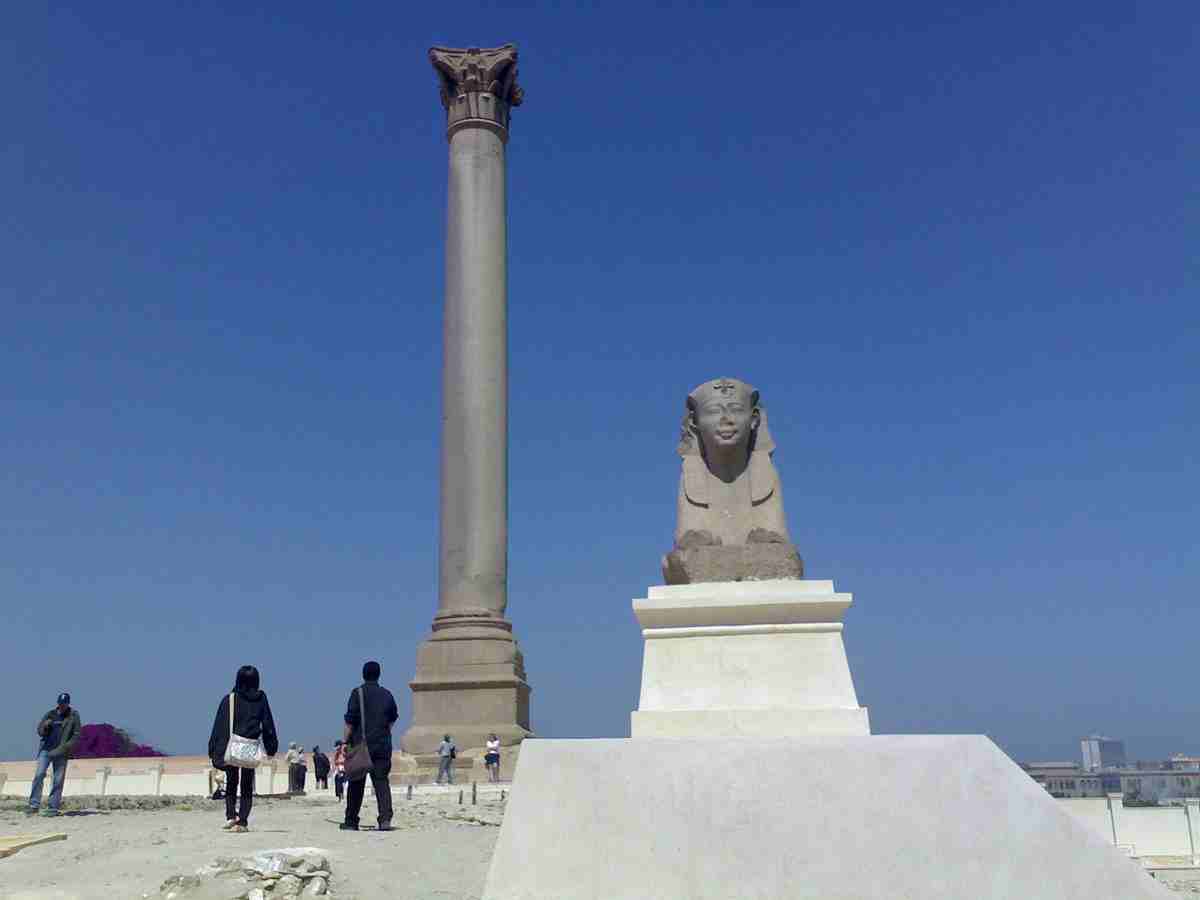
x=826, y=818
x=745, y=658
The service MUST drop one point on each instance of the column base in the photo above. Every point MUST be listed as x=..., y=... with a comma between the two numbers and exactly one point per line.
x=469, y=683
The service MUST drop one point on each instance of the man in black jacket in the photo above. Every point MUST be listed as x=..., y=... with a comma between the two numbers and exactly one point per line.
x=321, y=768
x=59, y=730
x=380, y=714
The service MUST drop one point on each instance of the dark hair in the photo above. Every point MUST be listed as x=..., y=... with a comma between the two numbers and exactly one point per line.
x=371, y=671
x=247, y=679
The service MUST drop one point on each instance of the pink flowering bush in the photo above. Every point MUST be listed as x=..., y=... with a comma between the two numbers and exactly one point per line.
x=104, y=741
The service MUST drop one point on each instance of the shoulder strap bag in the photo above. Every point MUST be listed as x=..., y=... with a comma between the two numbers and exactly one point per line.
x=242, y=752
x=358, y=759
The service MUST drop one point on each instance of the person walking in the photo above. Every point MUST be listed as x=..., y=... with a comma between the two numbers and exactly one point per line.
x=251, y=719
x=301, y=770
x=446, y=754
x=491, y=758
x=59, y=732
x=339, y=767
x=370, y=714
x=320, y=769
x=293, y=764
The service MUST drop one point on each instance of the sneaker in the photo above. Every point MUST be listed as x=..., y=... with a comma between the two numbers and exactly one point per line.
x=31, y=810
x=50, y=813
x=346, y=826
x=384, y=826
x=229, y=824
x=239, y=829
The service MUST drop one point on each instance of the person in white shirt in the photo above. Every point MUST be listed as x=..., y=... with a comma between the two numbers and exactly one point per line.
x=301, y=769
x=492, y=757
x=293, y=764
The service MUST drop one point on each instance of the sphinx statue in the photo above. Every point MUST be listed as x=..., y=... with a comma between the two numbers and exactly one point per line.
x=731, y=525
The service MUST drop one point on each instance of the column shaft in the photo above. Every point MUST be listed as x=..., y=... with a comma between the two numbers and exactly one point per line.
x=473, y=563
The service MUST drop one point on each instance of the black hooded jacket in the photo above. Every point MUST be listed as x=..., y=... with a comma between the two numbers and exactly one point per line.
x=251, y=719
x=321, y=764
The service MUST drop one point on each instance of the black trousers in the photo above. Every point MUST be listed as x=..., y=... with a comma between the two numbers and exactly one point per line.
x=297, y=775
x=339, y=780
x=323, y=781
x=380, y=770
x=233, y=778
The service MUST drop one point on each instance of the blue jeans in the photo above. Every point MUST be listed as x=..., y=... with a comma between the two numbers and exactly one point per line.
x=446, y=769
x=60, y=775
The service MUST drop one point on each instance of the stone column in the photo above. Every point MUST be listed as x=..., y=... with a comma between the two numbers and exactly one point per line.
x=470, y=677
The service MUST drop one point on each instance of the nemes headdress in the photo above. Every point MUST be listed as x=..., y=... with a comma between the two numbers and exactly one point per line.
x=689, y=440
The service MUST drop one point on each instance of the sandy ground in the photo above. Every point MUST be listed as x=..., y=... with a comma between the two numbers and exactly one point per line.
x=436, y=851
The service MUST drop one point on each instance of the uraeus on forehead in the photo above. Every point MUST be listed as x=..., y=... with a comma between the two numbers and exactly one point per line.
x=723, y=389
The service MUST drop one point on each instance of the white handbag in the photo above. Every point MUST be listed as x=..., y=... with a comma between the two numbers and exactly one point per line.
x=244, y=753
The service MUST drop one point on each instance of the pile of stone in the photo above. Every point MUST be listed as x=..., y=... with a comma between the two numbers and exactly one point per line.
x=267, y=875
x=112, y=802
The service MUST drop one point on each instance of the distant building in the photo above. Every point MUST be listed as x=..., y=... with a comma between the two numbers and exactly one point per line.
x=1101, y=752
x=1067, y=779
x=1142, y=783
x=1159, y=785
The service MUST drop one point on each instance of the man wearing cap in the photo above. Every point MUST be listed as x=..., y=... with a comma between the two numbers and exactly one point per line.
x=59, y=731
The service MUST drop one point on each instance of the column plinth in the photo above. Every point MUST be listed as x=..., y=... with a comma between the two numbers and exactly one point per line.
x=470, y=678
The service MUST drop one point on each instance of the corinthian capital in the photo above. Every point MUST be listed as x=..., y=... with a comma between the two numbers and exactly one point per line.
x=478, y=86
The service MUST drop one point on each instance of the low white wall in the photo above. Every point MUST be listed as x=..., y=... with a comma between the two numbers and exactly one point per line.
x=133, y=783
x=16, y=788
x=147, y=781
x=1154, y=831
x=272, y=779
x=183, y=785
x=72, y=787
x=1146, y=831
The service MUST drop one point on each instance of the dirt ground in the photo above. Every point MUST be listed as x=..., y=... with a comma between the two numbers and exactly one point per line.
x=438, y=850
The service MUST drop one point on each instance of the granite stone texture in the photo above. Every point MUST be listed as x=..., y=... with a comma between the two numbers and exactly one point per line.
x=470, y=677
x=730, y=523
x=747, y=562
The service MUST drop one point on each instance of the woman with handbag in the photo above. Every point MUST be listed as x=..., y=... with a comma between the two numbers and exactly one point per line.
x=243, y=737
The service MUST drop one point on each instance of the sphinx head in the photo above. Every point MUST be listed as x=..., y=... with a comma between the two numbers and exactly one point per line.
x=722, y=423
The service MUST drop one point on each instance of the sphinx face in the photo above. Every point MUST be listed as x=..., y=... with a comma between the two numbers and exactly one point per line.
x=725, y=423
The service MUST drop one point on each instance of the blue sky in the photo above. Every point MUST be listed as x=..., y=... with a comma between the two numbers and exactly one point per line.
x=954, y=248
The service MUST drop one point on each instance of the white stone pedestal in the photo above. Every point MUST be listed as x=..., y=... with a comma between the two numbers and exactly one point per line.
x=880, y=817
x=745, y=658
